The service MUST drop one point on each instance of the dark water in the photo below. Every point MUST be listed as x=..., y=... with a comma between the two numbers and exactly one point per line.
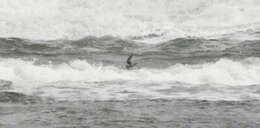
x=158, y=113
x=110, y=50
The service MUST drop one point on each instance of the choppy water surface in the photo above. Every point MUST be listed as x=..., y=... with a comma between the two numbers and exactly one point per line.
x=133, y=113
x=62, y=63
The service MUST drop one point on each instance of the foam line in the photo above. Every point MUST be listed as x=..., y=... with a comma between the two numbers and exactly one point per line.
x=224, y=71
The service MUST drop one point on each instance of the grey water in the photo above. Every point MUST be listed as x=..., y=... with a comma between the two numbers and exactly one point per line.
x=159, y=113
x=63, y=64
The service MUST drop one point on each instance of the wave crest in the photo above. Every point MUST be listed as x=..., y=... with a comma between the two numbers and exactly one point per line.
x=224, y=71
x=149, y=21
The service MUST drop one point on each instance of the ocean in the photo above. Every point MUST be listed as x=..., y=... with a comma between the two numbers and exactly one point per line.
x=63, y=63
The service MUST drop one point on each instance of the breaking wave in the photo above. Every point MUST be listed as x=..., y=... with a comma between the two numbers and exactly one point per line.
x=224, y=71
x=142, y=20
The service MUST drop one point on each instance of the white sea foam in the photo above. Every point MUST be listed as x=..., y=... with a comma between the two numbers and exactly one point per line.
x=224, y=71
x=62, y=19
x=78, y=80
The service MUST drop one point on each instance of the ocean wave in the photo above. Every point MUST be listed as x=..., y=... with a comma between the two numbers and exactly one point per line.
x=143, y=20
x=224, y=71
x=96, y=47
